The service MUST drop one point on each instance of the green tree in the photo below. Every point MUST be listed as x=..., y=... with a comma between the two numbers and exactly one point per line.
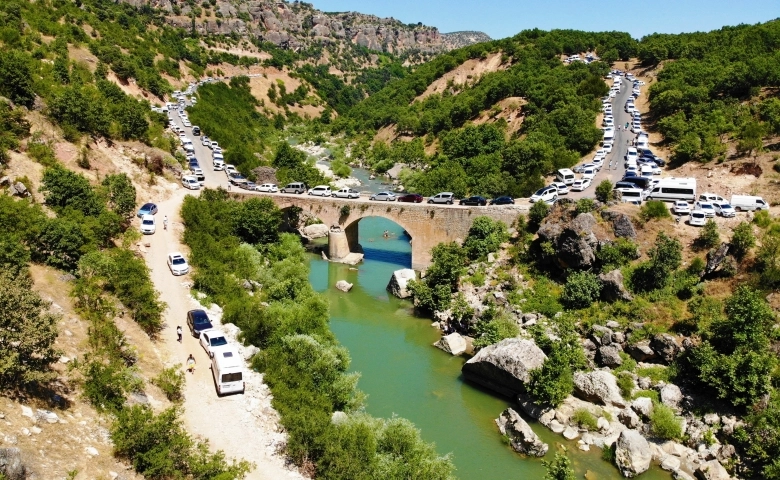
x=554, y=381
x=581, y=290
x=654, y=209
x=537, y=214
x=63, y=188
x=604, y=191
x=559, y=468
x=485, y=236
x=131, y=116
x=121, y=194
x=742, y=240
x=665, y=258
x=709, y=236
x=16, y=77
x=29, y=332
x=664, y=423
x=257, y=221
x=751, y=138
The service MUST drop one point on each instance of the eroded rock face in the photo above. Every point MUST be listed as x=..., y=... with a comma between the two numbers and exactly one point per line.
x=318, y=230
x=632, y=453
x=575, y=243
x=399, y=282
x=11, y=465
x=666, y=347
x=609, y=355
x=505, y=367
x=712, y=470
x=612, y=287
x=521, y=437
x=598, y=386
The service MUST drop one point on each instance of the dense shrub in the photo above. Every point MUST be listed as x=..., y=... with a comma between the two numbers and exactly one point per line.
x=581, y=289
x=709, y=236
x=742, y=240
x=664, y=424
x=559, y=468
x=665, y=258
x=584, y=205
x=654, y=209
x=626, y=385
x=604, y=192
x=171, y=382
x=493, y=328
x=584, y=418
x=485, y=236
x=617, y=254
x=537, y=214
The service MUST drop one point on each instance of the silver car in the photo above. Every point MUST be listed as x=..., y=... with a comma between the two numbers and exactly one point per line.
x=383, y=196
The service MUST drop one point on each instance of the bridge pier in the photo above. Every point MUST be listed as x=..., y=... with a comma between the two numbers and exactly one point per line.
x=343, y=246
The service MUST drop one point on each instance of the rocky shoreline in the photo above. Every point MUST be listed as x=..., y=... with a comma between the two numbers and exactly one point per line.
x=620, y=420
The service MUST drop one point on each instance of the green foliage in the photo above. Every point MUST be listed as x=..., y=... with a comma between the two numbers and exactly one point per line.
x=742, y=240
x=493, y=328
x=581, y=289
x=537, y=214
x=656, y=374
x=559, y=468
x=554, y=381
x=29, y=332
x=16, y=77
x=665, y=258
x=654, y=209
x=171, y=382
x=616, y=254
x=441, y=279
x=664, y=424
x=626, y=385
x=585, y=419
x=608, y=454
x=257, y=221
x=760, y=438
x=709, y=236
x=584, y=205
x=159, y=447
x=13, y=127
x=485, y=236
x=64, y=189
x=735, y=360
x=651, y=394
x=121, y=194
x=292, y=166
x=762, y=218
x=543, y=297
x=604, y=192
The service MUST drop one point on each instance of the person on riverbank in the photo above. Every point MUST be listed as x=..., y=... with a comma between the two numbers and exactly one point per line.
x=191, y=364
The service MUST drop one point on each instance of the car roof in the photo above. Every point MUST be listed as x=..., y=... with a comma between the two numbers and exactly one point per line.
x=148, y=205
x=175, y=254
x=214, y=332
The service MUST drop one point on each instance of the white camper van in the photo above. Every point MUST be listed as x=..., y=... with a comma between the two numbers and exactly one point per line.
x=671, y=189
x=565, y=175
x=743, y=203
x=227, y=368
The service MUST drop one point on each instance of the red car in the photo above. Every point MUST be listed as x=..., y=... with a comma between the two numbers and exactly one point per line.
x=411, y=198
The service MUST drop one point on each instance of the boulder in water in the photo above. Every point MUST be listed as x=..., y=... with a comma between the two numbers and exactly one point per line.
x=453, y=343
x=399, y=281
x=632, y=453
x=521, y=437
x=344, y=285
x=505, y=367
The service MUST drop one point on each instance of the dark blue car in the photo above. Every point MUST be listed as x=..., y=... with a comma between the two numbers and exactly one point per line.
x=503, y=201
x=147, y=209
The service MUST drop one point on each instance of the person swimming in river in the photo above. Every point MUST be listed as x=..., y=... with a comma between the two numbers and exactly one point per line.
x=386, y=234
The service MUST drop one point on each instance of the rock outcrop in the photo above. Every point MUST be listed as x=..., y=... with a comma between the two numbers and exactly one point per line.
x=612, y=288
x=598, y=386
x=399, y=282
x=521, y=437
x=344, y=285
x=632, y=453
x=453, y=343
x=505, y=367
x=621, y=224
x=574, y=242
x=666, y=347
x=712, y=470
x=11, y=465
x=318, y=230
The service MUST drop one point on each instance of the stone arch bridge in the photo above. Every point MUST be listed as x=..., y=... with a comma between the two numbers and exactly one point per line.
x=427, y=224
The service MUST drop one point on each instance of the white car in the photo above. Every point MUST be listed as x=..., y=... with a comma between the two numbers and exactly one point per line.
x=230, y=169
x=178, y=264
x=681, y=207
x=631, y=155
x=187, y=123
x=697, y=218
x=214, y=145
x=205, y=141
x=562, y=188
x=724, y=209
x=607, y=146
x=633, y=168
x=706, y=207
x=546, y=194
x=213, y=340
x=636, y=128
x=268, y=187
x=589, y=173
x=646, y=170
x=346, y=193
x=598, y=162
x=580, y=185
x=147, y=225
x=320, y=191
x=190, y=182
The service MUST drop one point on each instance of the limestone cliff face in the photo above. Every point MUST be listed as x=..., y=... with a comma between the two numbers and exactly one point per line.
x=296, y=25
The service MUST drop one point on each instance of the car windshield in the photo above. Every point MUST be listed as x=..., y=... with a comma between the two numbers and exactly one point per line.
x=218, y=342
x=178, y=261
x=149, y=222
x=147, y=207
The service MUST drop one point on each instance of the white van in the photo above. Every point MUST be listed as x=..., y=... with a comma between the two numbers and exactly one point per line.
x=227, y=368
x=671, y=189
x=565, y=175
x=631, y=195
x=609, y=134
x=219, y=164
x=743, y=203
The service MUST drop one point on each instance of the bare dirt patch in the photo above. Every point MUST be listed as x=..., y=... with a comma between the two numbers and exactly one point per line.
x=509, y=110
x=271, y=76
x=82, y=55
x=132, y=89
x=467, y=73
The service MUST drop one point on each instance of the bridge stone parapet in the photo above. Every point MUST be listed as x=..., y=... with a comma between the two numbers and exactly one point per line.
x=427, y=224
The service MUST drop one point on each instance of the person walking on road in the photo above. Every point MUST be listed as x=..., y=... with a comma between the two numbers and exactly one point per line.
x=178, y=333
x=165, y=222
x=191, y=364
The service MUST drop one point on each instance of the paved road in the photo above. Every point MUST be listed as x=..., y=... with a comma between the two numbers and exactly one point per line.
x=614, y=168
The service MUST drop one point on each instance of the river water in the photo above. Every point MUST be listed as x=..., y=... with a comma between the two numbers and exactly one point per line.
x=404, y=375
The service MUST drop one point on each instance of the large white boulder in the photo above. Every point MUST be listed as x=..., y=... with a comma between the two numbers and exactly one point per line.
x=453, y=343
x=344, y=285
x=505, y=367
x=598, y=386
x=521, y=437
x=632, y=453
x=317, y=230
x=399, y=281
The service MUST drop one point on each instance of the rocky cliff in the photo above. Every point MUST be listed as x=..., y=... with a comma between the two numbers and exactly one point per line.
x=297, y=25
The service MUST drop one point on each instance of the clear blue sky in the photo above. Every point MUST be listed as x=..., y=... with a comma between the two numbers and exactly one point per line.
x=504, y=18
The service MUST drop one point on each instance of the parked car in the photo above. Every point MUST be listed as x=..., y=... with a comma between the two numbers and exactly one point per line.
x=697, y=218
x=205, y=141
x=443, y=197
x=705, y=207
x=248, y=185
x=236, y=178
x=681, y=207
x=320, y=191
x=475, y=200
x=346, y=193
x=268, y=187
x=724, y=209
x=147, y=225
x=410, y=198
x=213, y=340
x=294, y=187
x=147, y=209
x=229, y=169
x=196, y=130
x=198, y=321
x=190, y=182
x=546, y=194
x=580, y=185
x=562, y=188
x=711, y=197
x=505, y=200
x=383, y=197
x=177, y=263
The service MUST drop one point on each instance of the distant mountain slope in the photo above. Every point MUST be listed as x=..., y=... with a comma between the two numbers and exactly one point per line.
x=465, y=38
x=299, y=25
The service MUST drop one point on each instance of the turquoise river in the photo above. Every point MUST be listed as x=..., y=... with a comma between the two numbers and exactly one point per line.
x=404, y=375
